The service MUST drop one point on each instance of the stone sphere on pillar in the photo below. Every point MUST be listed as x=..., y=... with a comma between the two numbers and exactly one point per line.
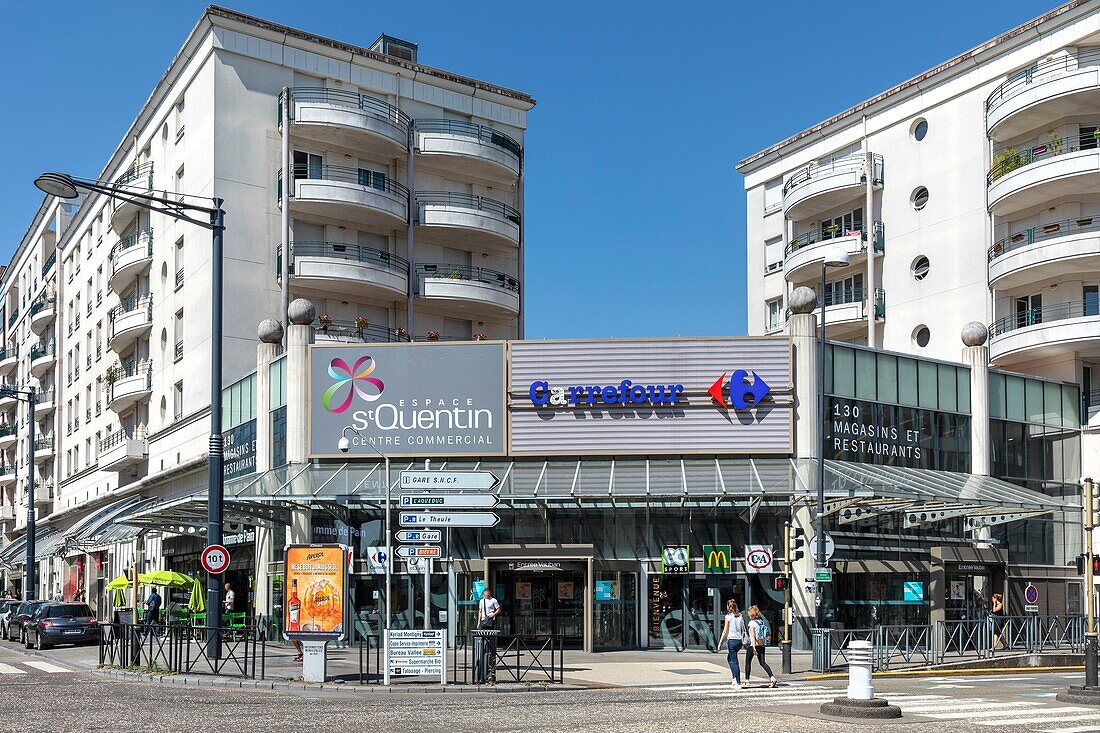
x=975, y=334
x=270, y=331
x=301, y=312
x=803, y=300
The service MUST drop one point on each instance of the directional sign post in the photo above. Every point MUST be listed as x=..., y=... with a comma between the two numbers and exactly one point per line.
x=410, y=551
x=469, y=480
x=448, y=519
x=419, y=535
x=448, y=501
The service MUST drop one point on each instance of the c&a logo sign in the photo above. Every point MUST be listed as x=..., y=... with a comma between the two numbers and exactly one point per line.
x=356, y=379
x=739, y=390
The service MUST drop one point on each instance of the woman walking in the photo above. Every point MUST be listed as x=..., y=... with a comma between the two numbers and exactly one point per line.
x=997, y=615
x=733, y=635
x=759, y=636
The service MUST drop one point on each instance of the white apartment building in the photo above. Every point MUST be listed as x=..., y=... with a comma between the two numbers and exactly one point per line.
x=403, y=219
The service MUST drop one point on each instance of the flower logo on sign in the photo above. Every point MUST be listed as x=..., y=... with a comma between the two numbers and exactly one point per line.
x=356, y=379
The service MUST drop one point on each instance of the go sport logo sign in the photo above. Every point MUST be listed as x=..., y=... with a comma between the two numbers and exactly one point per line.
x=407, y=399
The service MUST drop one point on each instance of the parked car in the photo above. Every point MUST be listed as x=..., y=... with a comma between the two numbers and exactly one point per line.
x=19, y=619
x=7, y=610
x=61, y=623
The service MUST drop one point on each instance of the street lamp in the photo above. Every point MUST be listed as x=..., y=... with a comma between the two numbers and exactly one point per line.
x=27, y=396
x=345, y=445
x=65, y=186
x=835, y=257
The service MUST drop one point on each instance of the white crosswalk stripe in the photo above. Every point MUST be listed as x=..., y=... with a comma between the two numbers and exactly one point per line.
x=8, y=669
x=45, y=667
x=1074, y=729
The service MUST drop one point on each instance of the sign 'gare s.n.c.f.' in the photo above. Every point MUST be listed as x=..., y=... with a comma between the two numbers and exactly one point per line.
x=407, y=400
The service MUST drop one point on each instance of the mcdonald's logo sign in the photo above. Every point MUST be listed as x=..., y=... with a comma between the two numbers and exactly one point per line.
x=716, y=558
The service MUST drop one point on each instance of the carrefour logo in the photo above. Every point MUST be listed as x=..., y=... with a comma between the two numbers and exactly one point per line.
x=349, y=382
x=739, y=390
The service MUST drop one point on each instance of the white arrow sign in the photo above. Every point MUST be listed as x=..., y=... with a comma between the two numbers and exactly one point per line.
x=479, y=480
x=448, y=501
x=407, y=551
x=419, y=535
x=448, y=519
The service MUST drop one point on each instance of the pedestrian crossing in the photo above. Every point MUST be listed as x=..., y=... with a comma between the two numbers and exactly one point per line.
x=37, y=666
x=1037, y=711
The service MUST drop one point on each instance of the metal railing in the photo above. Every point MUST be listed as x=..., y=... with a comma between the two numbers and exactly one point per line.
x=466, y=201
x=137, y=175
x=349, y=252
x=50, y=262
x=508, y=658
x=468, y=129
x=853, y=162
x=9, y=428
x=985, y=638
x=1044, y=314
x=353, y=100
x=41, y=350
x=1011, y=158
x=9, y=352
x=43, y=397
x=1054, y=229
x=346, y=174
x=42, y=302
x=815, y=236
x=178, y=353
x=1043, y=71
x=370, y=659
x=119, y=436
x=44, y=442
x=133, y=369
x=179, y=278
x=174, y=648
x=143, y=237
x=467, y=273
x=348, y=331
x=131, y=304
x=905, y=644
x=13, y=318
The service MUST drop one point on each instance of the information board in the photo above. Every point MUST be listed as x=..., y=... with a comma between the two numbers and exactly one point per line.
x=416, y=652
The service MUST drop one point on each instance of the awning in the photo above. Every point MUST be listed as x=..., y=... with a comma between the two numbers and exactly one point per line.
x=15, y=553
x=187, y=515
x=97, y=529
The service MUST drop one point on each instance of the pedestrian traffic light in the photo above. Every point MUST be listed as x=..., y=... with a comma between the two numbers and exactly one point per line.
x=796, y=541
x=780, y=583
x=1096, y=566
x=1080, y=564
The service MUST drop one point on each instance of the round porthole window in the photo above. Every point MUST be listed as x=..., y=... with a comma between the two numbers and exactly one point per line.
x=919, y=129
x=920, y=267
x=919, y=199
x=921, y=336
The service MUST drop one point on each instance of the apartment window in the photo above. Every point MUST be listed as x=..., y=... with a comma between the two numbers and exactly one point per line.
x=374, y=179
x=179, y=262
x=843, y=225
x=848, y=290
x=307, y=165
x=1029, y=310
x=179, y=180
x=87, y=452
x=177, y=330
x=1091, y=300
x=179, y=118
x=773, y=254
x=177, y=400
x=98, y=440
x=98, y=340
x=773, y=316
x=773, y=194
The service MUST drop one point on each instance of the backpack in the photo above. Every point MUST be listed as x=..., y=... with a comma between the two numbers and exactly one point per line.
x=763, y=631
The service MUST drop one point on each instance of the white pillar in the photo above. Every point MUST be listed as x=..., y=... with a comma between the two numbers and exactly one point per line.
x=299, y=337
x=270, y=333
x=975, y=354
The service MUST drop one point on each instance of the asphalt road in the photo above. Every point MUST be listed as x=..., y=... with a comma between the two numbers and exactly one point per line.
x=38, y=694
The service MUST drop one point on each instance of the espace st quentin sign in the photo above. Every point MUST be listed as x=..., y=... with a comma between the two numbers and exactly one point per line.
x=651, y=396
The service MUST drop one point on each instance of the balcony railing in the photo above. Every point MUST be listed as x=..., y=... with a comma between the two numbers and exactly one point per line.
x=118, y=437
x=844, y=164
x=44, y=442
x=1040, y=72
x=1044, y=314
x=132, y=369
x=40, y=350
x=49, y=263
x=7, y=429
x=468, y=201
x=847, y=296
x=348, y=331
x=350, y=252
x=468, y=129
x=1042, y=232
x=9, y=352
x=43, y=397
x=347, y=174
x=179, y=278
x=43, y=302
x=131, y=304
x=353, y=100
x=141, y=238
x=137, y=175
x=826, y=233
x=13, y=318
x=179, y=350
x=471, y=274
x=1011, y=158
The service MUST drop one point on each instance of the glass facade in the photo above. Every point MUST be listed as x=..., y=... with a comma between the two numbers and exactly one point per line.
x=893, y=379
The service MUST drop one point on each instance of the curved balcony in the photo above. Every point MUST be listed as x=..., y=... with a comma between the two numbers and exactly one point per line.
x=43, y=312
x=130, y=257
x=1042, y=171
x=803, y=257
x=465, y=288
x=468, y=220
x=43, y=448
x=9, y=434
x=43, y=358
x=349, y=120
x=7, y=478
x=8, y=400
x=122, y=449
x=9, y=359
x=1043, y=93
x=846, y=312
x=129, y=320
x=1056, y=329
x=340, y=193
x=43, y=403
x=348, y=332
x=43, y=491
x=826, y=185
x=1042, y=252
x=129, y=385
x=468, y=149
x=137, y=179
x=349, y=268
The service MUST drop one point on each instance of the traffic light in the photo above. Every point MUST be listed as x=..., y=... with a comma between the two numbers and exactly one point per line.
x=780, y=583
x=1096, y=566
x=796, y=541
x=1080, y=564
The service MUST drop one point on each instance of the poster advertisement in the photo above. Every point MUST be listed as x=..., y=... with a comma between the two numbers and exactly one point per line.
x=523, y=591
x=565, y=591
x=958, y=590
x=316, y=586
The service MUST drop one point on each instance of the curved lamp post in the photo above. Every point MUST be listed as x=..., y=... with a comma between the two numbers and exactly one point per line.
x=210, y=217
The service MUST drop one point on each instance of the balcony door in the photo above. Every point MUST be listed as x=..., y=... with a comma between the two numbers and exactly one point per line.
x=1091, y=300
x=838, y=226
x=1029, y=310
x=307, y=165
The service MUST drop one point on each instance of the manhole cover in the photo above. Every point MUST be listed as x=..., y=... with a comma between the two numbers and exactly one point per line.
x=691, y=671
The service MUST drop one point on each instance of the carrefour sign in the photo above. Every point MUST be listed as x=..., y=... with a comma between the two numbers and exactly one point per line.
x=625, y=392
x=407, y=399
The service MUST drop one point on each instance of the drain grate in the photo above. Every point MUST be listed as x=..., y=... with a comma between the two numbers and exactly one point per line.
x=691, y=671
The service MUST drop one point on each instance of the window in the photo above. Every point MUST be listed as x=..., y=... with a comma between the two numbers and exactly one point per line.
x=773, y=318
x=179, y=262
x=374, y=179
x=179, y=180
x=844, y=225
x=773, y=194
x=773, y=254
x=919, y=199
x=179, y=119
x=919, y=129
x=1091, y=297
x=177, y=400
x=1029, y=310
x=921, y=336
x=920, y=267
x=307, y=165
x=848, y=290
x=178, y=335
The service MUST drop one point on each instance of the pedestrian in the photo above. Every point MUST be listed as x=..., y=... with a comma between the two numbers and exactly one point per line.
x=760, y=634
x=152, y=609
x=230, y=599
x=997, y=616
x=733, y=635
x=488, y=608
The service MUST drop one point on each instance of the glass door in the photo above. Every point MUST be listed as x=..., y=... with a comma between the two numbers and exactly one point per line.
x=615, y=610
x=700, y=615
x=1029, y=310
x=666, y=613
x=569, y=607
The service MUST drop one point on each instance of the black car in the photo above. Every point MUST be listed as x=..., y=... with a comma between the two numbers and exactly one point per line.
x=19, y=619
x=7, y=610
x=61, y=623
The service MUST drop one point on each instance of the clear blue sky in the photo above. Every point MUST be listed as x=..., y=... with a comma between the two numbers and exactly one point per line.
x=635, y=214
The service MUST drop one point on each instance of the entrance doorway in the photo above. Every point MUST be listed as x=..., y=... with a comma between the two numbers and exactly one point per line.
x=687, y=611
x=968, y=596
x=543, y=598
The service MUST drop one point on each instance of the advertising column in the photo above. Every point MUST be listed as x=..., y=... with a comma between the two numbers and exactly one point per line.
x=317, y=582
